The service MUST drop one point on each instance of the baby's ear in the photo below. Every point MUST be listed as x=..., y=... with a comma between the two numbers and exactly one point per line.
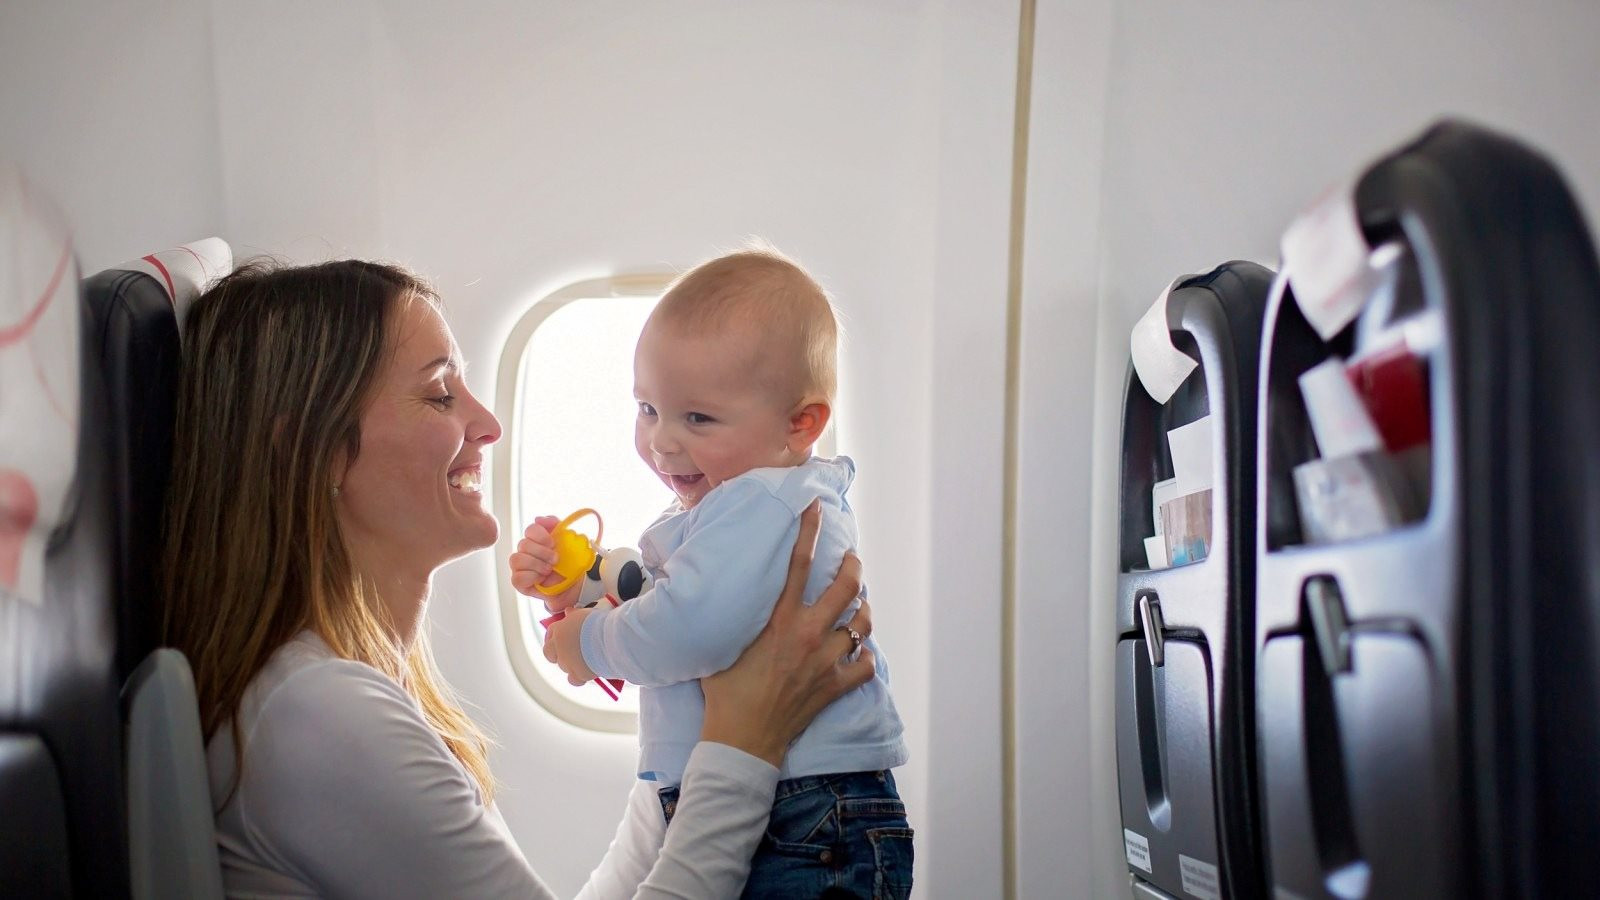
x=807, y=424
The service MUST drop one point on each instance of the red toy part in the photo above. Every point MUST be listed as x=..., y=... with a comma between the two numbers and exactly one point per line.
x=612, y=686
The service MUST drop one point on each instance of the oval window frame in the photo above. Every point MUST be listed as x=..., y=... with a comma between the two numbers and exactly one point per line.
x=506, y=486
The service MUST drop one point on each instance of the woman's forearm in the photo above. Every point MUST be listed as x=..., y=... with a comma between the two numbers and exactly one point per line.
x=722, y=812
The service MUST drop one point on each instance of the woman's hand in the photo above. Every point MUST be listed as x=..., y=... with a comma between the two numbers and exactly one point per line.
x=797, y=665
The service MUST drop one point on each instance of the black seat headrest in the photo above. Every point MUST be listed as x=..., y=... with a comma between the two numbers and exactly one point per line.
x=135, y=312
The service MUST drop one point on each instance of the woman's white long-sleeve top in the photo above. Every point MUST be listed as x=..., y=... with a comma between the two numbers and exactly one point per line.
x=347, y=792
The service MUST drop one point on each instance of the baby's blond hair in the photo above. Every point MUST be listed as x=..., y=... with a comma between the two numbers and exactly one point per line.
x=785, y=310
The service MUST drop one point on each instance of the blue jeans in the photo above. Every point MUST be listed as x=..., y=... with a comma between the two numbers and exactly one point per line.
x=830, y=836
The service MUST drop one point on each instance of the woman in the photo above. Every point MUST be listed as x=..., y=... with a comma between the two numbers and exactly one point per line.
x=327, y=459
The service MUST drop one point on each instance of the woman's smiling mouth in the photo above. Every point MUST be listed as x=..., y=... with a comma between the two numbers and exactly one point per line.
x=468, y=480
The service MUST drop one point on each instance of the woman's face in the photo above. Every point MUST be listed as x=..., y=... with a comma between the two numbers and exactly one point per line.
x=410, y=501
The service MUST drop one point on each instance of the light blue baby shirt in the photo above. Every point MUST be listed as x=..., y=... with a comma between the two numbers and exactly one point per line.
x=718, y=570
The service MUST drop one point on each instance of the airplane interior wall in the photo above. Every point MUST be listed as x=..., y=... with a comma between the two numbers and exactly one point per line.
x=508, y=149
x=110, y=108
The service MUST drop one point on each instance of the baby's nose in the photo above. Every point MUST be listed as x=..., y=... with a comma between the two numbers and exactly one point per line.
x=662, y=444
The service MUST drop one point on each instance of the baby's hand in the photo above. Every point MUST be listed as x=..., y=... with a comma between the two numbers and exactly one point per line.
x=531, y=565
x=563, y=646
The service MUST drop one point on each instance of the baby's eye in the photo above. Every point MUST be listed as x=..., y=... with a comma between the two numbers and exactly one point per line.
x=646, y=409
x=699, y=419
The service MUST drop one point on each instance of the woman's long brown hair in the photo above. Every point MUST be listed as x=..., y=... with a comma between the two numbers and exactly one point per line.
x=278, y=364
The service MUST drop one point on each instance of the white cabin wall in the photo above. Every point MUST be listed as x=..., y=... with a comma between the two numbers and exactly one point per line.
x=1224, y=119
x=976, y=86
x=508, y=149
x=1061, y=771
x=109, y=108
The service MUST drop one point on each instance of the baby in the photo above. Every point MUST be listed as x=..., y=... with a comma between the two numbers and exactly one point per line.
x=735, y=374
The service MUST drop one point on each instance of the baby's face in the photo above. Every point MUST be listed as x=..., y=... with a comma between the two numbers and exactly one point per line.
x=704, y=415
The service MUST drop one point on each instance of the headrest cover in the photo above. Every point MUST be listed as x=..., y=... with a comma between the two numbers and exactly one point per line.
x=39, y=372
x=186, y=271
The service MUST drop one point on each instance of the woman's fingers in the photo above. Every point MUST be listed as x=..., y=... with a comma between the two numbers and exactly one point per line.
x=844, y=590
x=852, y=634
x=861, y=620
x=796, y=665
x=859, y=671
x=805, y=549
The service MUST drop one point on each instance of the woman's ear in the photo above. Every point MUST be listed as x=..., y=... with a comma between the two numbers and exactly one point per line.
x=338, y=466
x=807, y=424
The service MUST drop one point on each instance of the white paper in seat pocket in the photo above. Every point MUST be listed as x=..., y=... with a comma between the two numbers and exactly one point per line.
x=1191, y=455
x=1339, y=420
x=1161, y=367
x=1325, y=258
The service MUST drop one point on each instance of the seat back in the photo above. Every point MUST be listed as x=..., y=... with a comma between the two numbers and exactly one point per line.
x=1428, y=668
x=171, y=827
x=135, y=310
x=60, y=730
x=1184, y=634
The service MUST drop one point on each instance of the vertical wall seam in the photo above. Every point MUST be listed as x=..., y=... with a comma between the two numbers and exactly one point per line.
x=1009, y=477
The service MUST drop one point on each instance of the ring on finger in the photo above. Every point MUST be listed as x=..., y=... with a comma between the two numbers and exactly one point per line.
x=855, y=638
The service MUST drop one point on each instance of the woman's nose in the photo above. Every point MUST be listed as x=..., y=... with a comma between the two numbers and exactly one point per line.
x=482, y=426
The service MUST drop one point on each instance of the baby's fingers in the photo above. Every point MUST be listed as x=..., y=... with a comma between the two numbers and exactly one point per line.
x=535, y=551
x=525, y=581
x=524, y=561
x=542, y=528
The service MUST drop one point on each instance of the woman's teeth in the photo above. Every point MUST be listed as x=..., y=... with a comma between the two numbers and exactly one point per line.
x=470, y=481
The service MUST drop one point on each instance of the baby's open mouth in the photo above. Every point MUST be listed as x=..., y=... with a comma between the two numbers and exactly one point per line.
x=683, y=482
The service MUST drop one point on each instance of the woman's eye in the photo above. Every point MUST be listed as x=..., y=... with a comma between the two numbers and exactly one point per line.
x=699, y=419
x=646, y=409
x=443, y=402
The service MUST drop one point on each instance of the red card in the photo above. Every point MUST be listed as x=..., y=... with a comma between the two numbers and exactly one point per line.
x=1393, y=384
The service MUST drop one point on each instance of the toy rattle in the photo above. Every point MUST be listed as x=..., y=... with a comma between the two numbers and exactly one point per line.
x=609, y=576
x=575, y=553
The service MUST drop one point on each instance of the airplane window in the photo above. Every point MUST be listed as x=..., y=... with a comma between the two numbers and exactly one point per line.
x=569, y=415
x=565, y=398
